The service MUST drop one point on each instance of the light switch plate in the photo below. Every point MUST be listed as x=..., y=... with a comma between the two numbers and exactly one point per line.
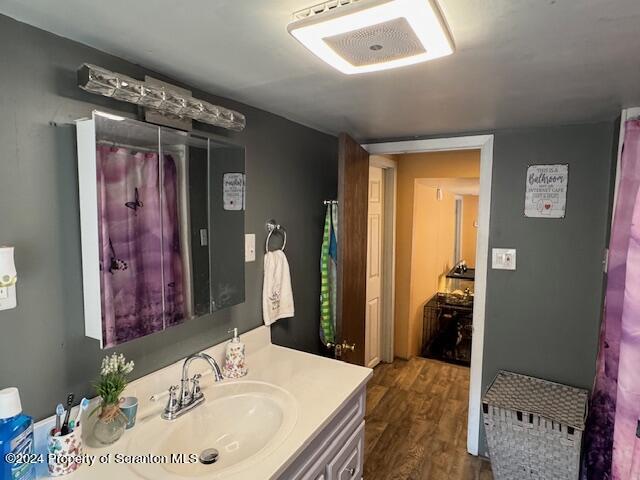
x=503, y=258
x=204, y=237
x=8, y=298
x=250, y=247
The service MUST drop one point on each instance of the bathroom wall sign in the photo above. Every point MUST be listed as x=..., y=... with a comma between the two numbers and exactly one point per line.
x=233, y=191
x=546, y=192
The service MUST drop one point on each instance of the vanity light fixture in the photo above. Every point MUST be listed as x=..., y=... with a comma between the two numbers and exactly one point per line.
x=165, y=100
x=360, y=36
x=8, y=279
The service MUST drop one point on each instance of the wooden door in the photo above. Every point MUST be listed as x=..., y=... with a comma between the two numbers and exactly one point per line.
x=375, y=230
x=353, y=185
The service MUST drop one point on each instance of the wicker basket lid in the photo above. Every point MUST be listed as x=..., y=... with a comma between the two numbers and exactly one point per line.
x=553, y=401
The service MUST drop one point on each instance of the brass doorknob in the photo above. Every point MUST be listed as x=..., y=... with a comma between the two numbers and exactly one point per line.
x=339, y=348
x=344, y=345
x=348, y=346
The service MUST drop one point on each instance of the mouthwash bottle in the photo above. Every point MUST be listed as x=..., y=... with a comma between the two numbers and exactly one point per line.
x=16, y=438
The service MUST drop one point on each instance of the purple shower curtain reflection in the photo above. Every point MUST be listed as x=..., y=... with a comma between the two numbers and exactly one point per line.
x=141, y=290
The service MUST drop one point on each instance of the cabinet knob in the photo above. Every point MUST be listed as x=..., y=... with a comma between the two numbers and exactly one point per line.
x=351, y=471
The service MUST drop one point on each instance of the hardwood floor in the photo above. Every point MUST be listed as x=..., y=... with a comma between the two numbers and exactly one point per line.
x=416, y=423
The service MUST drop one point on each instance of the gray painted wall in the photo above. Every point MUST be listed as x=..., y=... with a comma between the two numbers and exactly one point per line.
x=43, y=350
x=543, y=319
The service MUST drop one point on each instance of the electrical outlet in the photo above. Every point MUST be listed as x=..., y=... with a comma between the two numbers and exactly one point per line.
x=8, y=298
x=250, y=247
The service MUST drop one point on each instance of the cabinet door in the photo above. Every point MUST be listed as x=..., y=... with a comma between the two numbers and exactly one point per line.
x=347, y=465
x=129, y=219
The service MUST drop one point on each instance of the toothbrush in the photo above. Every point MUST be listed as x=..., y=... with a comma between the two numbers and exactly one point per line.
x=65, y=426
x=84, y=403
x=59, y=415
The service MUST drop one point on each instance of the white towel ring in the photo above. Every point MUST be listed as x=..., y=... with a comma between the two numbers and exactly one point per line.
x=273, y=226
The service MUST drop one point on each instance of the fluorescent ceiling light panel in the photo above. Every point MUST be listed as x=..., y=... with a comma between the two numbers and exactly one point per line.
x=360, y=36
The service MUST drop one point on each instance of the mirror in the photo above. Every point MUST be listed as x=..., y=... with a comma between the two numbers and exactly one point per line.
x=169, y=210
x=210, y=203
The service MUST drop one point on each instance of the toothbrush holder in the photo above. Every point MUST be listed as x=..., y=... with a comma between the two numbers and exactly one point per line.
x=63, y=452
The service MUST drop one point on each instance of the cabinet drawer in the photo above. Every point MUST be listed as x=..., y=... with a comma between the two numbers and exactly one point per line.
x=347, y=465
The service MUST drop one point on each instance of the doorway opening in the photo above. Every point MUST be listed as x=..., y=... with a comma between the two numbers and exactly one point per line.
x=396, y=298
x=443, y=260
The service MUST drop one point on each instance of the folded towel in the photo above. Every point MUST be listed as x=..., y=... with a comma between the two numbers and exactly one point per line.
x=277, y=296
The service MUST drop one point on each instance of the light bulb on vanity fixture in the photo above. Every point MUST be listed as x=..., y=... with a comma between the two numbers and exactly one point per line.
x=8, y=279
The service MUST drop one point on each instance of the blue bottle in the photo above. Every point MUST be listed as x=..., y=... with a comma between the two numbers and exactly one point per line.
x=16, y=438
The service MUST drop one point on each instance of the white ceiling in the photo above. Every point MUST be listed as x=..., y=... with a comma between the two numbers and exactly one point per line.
x=518, y=62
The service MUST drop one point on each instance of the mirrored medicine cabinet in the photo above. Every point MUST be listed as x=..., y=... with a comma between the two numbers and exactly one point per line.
x=162, y=224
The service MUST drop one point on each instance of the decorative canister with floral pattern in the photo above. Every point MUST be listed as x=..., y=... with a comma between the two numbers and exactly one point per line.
x=234, y=362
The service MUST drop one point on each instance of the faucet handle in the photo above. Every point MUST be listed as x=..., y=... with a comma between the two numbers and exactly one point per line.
x=172, y=403
x=159, y=396
x=196, y=392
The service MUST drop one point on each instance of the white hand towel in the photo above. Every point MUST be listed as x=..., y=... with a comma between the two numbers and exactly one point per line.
x=277, y=296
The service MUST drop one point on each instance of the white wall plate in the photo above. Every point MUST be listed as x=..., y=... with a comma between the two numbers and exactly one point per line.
x=503, y=258
x=8, y=298
x=250, y=247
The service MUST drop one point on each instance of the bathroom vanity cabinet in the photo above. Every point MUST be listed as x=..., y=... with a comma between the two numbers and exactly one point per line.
x=337, y=453
x=294, y=416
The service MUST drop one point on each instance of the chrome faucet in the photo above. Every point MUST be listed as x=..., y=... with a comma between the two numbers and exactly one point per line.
x=190, y=393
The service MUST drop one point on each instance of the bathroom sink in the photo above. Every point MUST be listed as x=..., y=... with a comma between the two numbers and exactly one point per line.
x=242, y=420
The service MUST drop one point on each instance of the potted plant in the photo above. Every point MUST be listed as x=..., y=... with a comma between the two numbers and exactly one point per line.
x=111, y=422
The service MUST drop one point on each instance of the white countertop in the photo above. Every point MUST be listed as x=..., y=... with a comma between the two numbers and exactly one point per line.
x=321, y=387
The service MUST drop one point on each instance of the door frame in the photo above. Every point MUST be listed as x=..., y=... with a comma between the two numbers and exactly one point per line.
x=485, y=144
x=390, y=174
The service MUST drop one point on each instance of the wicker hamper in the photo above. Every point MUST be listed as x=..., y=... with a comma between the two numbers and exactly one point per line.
x=534, y=428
